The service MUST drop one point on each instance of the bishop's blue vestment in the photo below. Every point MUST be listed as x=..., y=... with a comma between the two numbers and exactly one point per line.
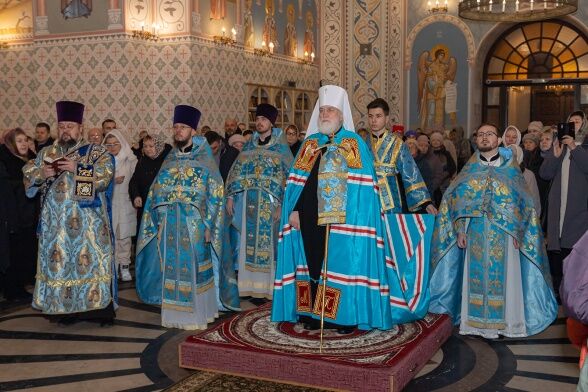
x=364, y=285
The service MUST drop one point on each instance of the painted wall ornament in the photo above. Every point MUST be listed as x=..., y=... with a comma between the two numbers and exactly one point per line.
x=290, y=39
x=437, y=88
x=76, y=8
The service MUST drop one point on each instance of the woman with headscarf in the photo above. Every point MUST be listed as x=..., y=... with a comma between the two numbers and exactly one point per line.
x=124, y=218
x=18, y=216
x=154, y=152
x=512, y=135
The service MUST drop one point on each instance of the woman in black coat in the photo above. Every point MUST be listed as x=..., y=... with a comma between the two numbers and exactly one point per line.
x=154, y=152
x=19, y=219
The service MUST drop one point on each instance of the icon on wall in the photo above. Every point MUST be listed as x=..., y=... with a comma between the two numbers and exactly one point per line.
x=76, y=8
x=437, y=88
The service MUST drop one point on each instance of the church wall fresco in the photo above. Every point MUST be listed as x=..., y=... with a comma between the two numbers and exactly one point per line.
x=438, y=78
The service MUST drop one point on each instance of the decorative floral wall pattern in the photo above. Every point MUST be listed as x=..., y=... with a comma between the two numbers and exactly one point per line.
x=135, y=82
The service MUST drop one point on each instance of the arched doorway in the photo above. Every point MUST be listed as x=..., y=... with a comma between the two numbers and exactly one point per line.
x=536, y=71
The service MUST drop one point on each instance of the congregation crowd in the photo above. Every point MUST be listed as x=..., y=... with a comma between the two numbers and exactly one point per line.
x=210, y=217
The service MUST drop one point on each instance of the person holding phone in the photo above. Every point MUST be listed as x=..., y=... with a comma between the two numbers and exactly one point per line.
x=566, y=166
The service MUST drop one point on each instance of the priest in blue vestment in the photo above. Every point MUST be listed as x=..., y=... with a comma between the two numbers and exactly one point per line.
x=183, y=258
x=255, y=191
x=332, y=214
x=490, y=268
x=75, y=273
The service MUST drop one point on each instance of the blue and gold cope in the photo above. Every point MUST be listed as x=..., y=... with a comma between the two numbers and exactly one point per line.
x=257, y=179
x=392, y=158
x=186, y=198
x=499, y=207
x=363, y=283
x=75, y=268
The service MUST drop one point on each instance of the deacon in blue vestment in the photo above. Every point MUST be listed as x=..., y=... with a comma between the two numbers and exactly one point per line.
x=393, y=162
x=400, y=182
x=255, y=191
x=332, y=198
x=75, y=274
x=183, y=259
x=490, y=268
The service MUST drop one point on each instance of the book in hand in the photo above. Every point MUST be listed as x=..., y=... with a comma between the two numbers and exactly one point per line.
x=54, y=162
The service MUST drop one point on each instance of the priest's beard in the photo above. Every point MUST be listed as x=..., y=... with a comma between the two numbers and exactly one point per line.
x=329, y=127
x=179, y=143
x=67, y=144
x=486, y=149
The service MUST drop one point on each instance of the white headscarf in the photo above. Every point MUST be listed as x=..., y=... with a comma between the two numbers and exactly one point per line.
x=125, y=152
x=335, y=96
x=518, y=135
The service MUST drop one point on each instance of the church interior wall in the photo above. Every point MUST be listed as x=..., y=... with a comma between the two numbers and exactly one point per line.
x=484, y=35
x=134, y=81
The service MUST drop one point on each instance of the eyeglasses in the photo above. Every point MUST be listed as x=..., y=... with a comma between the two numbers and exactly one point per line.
x=486, y=134
x=178, y=127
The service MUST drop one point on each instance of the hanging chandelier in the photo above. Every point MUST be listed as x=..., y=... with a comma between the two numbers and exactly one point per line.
x=515, y=10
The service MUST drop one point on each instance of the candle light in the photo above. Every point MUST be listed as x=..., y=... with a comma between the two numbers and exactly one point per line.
x=271, y=47
x=312, y=57
x=223, y=31
x=142, y=26
x=305, y=55
x=234, y=33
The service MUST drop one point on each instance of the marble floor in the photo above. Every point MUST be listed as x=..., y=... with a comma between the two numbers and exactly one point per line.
x=137, y=354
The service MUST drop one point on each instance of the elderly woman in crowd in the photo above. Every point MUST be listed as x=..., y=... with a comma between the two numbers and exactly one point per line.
x=154, y=152
x=19, y=218
x=124, y=216
x=446, y=161
x=237, y=141
x=512, y=136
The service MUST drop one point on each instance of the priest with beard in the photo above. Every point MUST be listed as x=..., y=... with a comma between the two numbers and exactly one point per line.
x=333, y=238
x=490, y=268
x=75, y=263
x=183, y=258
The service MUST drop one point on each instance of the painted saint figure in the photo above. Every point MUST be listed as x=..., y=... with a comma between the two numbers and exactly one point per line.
x=270, y=32
x=248, y=28
x=309, y=34
x=290, y=39
x=435, y=76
